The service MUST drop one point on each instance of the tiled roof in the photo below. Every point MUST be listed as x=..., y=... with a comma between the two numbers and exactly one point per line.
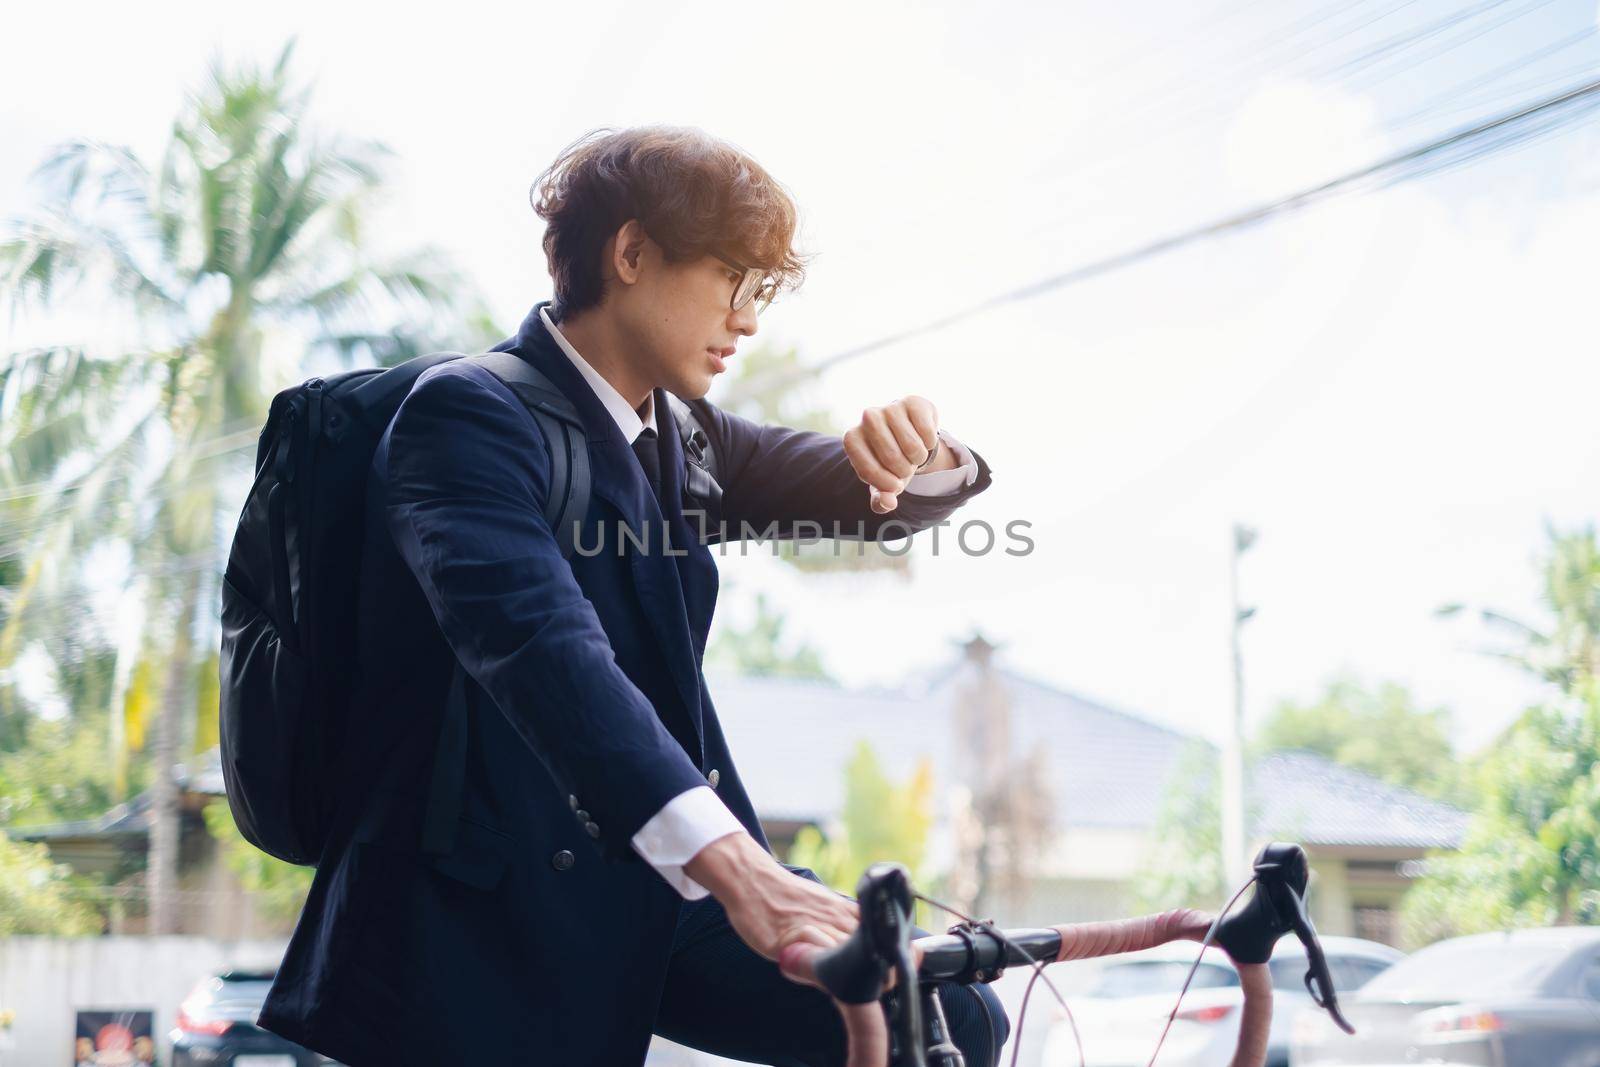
x=1105, y=768
x=1323, y=803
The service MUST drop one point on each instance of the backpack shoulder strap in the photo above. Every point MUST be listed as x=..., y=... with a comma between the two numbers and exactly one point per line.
x=701, y=457
x=559, y=422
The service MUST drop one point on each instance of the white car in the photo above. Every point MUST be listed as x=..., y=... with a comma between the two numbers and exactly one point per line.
x=1121, y=1014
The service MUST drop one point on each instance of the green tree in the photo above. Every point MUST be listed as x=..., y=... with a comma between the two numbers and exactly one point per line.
x=1532, y=851
x=1565, y=650
x=246, y=248
x=63, y=774
x=38, y=896
x=1380, y=731
x=881, y=821
x=1184, y=867
x=279, y=888
x=758, y=648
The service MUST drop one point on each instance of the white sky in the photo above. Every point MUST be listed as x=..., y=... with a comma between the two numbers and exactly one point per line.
x=1397, y=390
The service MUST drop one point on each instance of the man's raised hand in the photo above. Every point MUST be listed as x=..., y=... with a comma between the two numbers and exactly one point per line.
x=891, y=443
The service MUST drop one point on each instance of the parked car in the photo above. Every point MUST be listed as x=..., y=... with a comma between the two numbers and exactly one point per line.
x=1521, y=998
x=1516, y=999
x=1121, y=1014
x=217, y=1027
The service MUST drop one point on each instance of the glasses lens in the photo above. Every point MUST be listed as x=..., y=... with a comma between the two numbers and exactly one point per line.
x=766, y=294
x=747, y=287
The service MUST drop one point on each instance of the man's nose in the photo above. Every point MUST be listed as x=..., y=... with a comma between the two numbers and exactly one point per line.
x=744, y=320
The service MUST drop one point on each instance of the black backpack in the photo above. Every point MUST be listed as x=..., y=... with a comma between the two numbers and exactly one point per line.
x=289, y=595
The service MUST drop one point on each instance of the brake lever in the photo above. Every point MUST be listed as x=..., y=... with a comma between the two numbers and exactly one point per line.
x=1322, y=993
x=1277, y=907
x=856, y=971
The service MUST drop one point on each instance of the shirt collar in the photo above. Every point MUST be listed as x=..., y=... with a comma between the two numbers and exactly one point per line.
x=628, y=420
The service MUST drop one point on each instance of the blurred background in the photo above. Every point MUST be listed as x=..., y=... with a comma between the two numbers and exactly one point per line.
x=1274, y=322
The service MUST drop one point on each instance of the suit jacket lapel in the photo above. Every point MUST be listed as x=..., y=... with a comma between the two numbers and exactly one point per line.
x=659, y=579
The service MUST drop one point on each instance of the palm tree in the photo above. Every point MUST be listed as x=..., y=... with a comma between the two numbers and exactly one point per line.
x=1567, y=651
x=207, y=280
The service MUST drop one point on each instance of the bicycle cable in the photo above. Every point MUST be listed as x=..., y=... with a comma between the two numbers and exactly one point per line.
x=1038, y=973
x=1205, y=943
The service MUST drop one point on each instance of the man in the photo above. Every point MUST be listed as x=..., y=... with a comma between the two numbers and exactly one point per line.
x=609, y=877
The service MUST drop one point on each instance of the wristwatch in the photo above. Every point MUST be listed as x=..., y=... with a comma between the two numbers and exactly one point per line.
x=938, y=437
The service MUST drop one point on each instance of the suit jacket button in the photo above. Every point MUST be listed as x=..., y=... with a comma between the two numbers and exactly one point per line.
x=592, y=829
x=714, y=777
x=572, y=802
x=563, y=860
x=582, y=815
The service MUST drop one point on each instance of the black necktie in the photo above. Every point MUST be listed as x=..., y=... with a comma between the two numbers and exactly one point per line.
x=644, y=446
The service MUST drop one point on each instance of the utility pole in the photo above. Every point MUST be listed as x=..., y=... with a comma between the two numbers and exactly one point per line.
x=1233, y=832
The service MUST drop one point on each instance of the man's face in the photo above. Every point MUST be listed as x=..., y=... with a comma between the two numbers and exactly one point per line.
x=678, y=317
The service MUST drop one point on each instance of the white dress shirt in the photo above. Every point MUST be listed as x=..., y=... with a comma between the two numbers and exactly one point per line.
x=693, y=819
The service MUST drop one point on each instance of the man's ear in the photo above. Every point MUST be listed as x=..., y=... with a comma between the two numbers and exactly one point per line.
x=627, y=251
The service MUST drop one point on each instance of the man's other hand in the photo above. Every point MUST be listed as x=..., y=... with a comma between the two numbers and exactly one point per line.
x=865, y=1029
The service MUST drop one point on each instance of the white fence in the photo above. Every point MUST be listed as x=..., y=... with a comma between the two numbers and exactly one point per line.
x=47, y=980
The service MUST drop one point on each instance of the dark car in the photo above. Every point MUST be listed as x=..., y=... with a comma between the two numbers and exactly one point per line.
x=1521, y=998
x=217, y=1027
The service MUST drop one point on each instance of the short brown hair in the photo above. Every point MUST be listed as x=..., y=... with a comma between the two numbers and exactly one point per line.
x=692, y=193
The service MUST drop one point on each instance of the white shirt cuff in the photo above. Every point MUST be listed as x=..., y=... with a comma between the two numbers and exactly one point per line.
x=944, y=483
x=675, y=835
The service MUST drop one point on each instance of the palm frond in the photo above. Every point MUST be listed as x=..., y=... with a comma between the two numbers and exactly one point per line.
x=50, y=256
x=57, y=401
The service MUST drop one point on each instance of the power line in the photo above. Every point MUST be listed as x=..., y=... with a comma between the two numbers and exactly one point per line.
x=1490, y=77
x=1273, y=52
x=1506, y=95
x=1195, y=114
x=1510, y=124
x=1200, y=116
x=1465, y=38
x=1400, y=42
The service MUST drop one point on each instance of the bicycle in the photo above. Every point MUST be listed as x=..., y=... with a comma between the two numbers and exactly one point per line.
x=859, y=970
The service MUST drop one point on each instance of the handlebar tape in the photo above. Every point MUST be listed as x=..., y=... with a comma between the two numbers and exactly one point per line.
x=1255, y=1019
x=1083, y=940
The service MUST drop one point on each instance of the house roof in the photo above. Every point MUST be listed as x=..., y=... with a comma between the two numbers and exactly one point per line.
x=129, y=819
x=132, y=818
x=1104, y=767
x=1323, y=803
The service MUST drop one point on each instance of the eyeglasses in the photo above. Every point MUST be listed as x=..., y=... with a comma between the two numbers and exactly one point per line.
x=755, y=284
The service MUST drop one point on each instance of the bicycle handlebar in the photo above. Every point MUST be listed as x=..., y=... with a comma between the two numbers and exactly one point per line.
x=856, y=971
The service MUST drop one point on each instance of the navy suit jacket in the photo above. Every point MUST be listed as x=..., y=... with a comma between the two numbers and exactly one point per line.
x=537, y=938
